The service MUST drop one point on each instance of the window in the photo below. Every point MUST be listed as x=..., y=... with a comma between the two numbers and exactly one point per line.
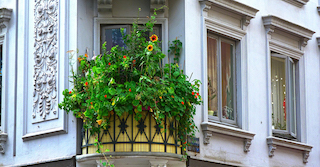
x=221, y=79
x=283, y=96
x=112, y=34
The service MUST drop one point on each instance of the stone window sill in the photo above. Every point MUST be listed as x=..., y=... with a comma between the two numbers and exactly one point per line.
x=273, y=142
x=208, y=128
x=3, y=140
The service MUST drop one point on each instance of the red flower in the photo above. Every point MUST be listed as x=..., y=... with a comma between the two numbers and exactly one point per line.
x=109, y=64
x=129, y=89
x=124, y=56
x=91, y=103
x=197, y=94
x=86, y=83
x=134, y=61
x=70, y=92
x=185, y=142
x=105, y=96
x=182, y=103
x=192, y=93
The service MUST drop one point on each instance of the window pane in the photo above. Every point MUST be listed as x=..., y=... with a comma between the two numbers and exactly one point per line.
x=227, y=81
x=292, y=102
x=212, y=77
x=114, y=37
x=278, y=93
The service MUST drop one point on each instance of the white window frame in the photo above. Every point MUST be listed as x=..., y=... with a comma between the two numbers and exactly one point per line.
x=219, y=119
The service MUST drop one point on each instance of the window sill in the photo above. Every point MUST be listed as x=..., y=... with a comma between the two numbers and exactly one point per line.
x=3, y=140
x=273, y=142
x=208, y=128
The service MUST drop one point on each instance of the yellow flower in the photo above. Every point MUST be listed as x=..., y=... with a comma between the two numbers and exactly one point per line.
x=113, y=102
x=150, y=48
x=184, y=149
x=154, y=38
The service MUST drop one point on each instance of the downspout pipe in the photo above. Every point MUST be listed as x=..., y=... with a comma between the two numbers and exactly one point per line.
x=15, y=84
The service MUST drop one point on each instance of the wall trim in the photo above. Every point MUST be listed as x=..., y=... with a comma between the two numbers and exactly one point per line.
x=297, y=3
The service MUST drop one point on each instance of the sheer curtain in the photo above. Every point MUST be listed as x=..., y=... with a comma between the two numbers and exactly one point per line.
x=212, y=76
x=278, y=93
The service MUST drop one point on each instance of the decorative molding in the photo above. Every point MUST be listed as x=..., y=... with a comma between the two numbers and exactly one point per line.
x=224, y=29
x=272, y=23
x=247, y=144
x=158, y=163
x=156, y=4
x=5, y=16
x=298, y=3
x=45, y=133
x=45, y=57
x=210, y=127
x=273, y=142
x=271, y=148
x=105, y=5
x=233, y=6
x=318, y=41
x=206, y=136
x=3, y=140
x=285, y=49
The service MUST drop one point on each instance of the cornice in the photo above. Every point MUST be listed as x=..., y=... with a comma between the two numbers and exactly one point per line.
x=298, y=3
x=234, y=6
x=273, y=142
x=274, y=22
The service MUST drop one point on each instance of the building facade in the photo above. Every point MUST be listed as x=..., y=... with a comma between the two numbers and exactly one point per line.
x=258, y=61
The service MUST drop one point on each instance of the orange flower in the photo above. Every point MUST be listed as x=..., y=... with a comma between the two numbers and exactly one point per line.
x=129, y=89
x=86, y=83
x=185, y=142
x=134, y=61
x=70, y=92
x=196, y=96
x=85, y=55
x=109, y=64
x=124, y=56
x=105, y=96
x=79, y=59
x=91, y=103
x=172, y=96
x=160, y=97
x=182, y=103
x=192, y=93
x=150, y=48
x=99, y=121
x=154, y=38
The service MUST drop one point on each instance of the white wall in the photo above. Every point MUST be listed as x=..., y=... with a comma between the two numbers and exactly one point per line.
x=229, y=150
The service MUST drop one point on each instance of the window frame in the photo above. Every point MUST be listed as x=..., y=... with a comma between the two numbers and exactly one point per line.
x=123, y=21
x=288, y=133
x=219, y=119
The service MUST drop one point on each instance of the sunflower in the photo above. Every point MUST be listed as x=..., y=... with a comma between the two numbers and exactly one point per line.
x=154, y=38
x=150, y=48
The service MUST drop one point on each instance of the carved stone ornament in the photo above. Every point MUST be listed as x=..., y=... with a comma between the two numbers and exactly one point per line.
x=3, y=140
x=45, y=60
x=206, y=137
x=247, y=144
x=271, y=148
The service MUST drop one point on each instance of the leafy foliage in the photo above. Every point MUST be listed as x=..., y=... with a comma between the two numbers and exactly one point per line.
x=132, y=79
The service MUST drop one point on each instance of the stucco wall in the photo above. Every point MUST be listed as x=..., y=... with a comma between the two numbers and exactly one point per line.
x=229, y=150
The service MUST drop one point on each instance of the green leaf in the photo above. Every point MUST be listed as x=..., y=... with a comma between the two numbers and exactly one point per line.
x=104, y=164
x=135, y=102
x=139, y=108
x=171, y=90
x=112, y=91
x=176, y=73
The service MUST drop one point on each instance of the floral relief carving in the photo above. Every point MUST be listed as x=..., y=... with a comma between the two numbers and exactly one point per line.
x=45, y=60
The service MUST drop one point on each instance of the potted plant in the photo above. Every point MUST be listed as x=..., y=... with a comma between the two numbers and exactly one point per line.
x=132, y=79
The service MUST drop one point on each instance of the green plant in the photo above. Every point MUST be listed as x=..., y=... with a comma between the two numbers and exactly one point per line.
x=132, y=79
